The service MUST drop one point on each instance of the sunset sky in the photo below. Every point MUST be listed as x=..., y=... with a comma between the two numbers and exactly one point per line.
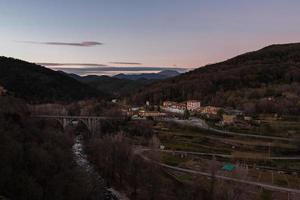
x=142, y=33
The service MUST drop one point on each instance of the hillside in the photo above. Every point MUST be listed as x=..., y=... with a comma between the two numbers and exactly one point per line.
x=263, y=81
x=114, y=86
x=149, y=76
x=123, y=84
x=36, y=158
x=35, y=83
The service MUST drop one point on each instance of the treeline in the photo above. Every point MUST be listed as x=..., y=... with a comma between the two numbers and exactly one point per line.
x=36, y=159
x=129, y=168
x=37, y=84
x=91, y=107
x=266, y=81
x=114, y=86
x=120, y=165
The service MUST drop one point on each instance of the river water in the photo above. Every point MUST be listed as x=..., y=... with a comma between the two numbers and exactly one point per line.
x=82, y=161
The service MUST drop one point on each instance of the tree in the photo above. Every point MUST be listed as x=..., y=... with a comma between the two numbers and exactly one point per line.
x=152, y=179
x=213, y=169
x=135, y=172
x=186, y=114
x=36, y=160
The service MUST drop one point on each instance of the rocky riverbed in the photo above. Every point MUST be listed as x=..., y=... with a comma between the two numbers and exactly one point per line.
x=82, y=161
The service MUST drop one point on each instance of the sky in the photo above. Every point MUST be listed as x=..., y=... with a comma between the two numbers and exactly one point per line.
x=150, y=34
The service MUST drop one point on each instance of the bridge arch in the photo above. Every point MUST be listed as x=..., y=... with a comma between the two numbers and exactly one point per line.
x=92, y=123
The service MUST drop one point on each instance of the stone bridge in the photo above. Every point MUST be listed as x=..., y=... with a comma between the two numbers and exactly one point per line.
x=91, y=122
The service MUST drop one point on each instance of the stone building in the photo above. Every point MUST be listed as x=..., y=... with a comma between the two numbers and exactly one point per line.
x=193, y=105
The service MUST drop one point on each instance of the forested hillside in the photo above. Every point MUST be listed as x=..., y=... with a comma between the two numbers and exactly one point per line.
x=164, y=74
x=35, y=83
x=264, y=81
x=114, y=86
x=36, y=159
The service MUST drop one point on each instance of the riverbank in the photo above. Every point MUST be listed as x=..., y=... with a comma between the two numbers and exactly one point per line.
x=82, y=161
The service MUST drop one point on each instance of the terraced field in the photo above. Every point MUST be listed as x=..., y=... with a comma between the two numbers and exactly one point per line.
x=256, y=157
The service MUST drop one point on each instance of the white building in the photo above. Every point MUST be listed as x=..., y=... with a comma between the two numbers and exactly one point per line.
x=210, y=110
x=173, y=107
x=193, y=105
x=172, y=110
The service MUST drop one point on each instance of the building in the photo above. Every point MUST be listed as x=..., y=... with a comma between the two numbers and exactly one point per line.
x=153, y=114
x=147, y=103
x=173, y=110
x=210, y=110
x=193, y=105
x=135, y=108
x=173, y=107
x=2, y=91
x=234, y=112
x=179, y=106
x=128, y=112
x=168, y=103
x=247, y=118
x=229, y=167
x=228, y=119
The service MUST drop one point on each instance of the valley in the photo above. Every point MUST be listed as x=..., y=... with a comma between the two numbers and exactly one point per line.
x=131, y=144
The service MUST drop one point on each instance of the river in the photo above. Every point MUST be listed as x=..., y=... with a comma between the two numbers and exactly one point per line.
x=82, y=161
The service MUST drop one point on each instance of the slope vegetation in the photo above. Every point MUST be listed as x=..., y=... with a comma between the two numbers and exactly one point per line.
x=35, y=83
x=264, y=81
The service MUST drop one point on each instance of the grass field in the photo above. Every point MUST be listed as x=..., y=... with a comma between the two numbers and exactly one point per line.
x=271, y=126
x=251, y=152
x=192, y=139
x=251, y=173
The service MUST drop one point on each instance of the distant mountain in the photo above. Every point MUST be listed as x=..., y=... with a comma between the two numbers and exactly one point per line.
x=123, y=84
x=36, y=83
x=169, y=73
x=114, y=86
x=149, y=76
x=263, y=81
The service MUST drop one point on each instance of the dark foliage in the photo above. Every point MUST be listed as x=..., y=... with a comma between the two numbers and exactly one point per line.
x=35, y=83
x=36, y=158
x=265, y=81
x=149, y=76
x=114, y=86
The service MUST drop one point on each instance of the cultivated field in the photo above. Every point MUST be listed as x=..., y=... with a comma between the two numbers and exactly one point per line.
x=268, y=161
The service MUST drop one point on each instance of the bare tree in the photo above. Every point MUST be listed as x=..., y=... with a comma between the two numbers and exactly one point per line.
x=135, y=172
x=213, y=170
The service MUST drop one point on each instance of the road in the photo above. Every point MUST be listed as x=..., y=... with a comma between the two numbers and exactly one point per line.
x=140, y=151
x=228, y=156
x=192, y=122
x=196, y=122
x=263, y=185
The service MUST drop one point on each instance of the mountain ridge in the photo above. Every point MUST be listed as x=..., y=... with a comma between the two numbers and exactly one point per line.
x=116, y=87
x=247, y=79
x=164, y=74
x=36, y=83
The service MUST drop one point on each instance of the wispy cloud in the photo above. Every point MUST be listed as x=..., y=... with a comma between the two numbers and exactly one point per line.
x=78, y=44
x=87, y=64
x=99, y=69
x=72, y=64
x=114, y=70
x=102, y=69
x=126, y=63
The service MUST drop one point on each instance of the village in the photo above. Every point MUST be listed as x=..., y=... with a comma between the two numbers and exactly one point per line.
x=190, y=109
